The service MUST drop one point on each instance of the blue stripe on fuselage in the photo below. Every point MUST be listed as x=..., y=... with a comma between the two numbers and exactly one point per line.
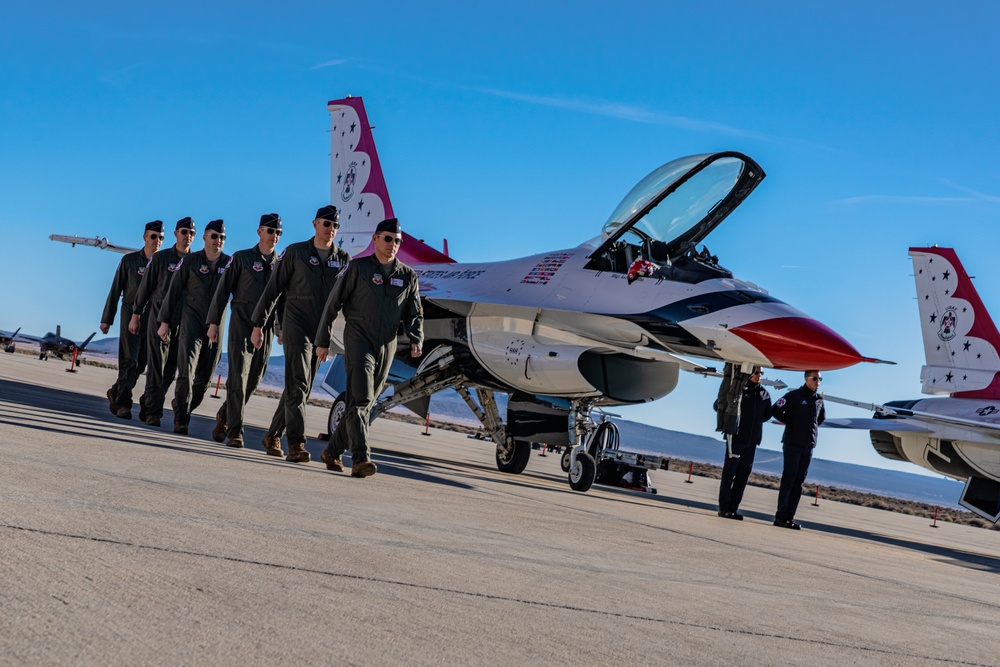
x=665, y=321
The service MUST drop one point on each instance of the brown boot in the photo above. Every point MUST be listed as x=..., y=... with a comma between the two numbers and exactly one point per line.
x=111, y=402
x=363, y=469
x=236, y=442
x=332, y=462
x=219, y=432
x=297, y=453
x=272, y=445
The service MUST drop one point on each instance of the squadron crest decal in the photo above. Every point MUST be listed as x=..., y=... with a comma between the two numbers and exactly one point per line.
x=377, y=278
x=258, y=266
x=352, y=173
x=949, y=320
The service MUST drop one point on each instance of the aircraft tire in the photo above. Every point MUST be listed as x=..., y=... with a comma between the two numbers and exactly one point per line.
x=336, y=412
x=581, y=475
x=564, y=461
x=518, y=461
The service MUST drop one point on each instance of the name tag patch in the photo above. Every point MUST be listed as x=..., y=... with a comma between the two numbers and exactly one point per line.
x=333, y=264
x=396, y=282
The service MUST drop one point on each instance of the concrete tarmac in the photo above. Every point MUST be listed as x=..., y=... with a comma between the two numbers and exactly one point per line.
x=122, y=544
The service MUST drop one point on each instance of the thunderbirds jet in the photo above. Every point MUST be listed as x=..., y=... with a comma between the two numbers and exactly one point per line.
x=957, y=435
x=54, y=343
x=7, y=340
x=576, y=329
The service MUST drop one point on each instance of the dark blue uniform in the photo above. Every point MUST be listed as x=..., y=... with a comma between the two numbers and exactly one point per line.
x=801, y=411
x=755, y=409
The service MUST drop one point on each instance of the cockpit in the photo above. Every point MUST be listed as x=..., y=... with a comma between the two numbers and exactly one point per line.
x=657, y=226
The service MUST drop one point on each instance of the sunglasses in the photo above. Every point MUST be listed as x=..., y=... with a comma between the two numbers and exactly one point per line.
x=186, y=232
x=331, y=223
x=815, y=377
x=392, y=239
x=156, y=237
x=272, y=230
x=215, y=236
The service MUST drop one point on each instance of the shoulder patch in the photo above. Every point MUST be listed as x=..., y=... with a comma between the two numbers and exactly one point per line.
x=230, y=262
x=781, y=402
x=281, y=255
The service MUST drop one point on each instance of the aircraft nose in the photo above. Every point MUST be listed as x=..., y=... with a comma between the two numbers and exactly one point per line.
x=799, y=343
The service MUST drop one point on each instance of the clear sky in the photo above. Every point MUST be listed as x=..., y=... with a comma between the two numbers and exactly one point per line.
x=515, y=130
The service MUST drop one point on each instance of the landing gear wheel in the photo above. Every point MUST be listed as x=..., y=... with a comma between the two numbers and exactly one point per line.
x=566, y=456
x=513, y=458
x=337, y=412
x=583, y=472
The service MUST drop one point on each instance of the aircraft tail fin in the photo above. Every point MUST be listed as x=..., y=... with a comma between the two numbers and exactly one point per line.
x=961, y=342
x=83, y=346
x=58, y=331
x=358, y=189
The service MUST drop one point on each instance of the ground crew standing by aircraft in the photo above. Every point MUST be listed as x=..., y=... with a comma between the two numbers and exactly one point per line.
x=755, y=409
x=801, y=411
x=304, y=276
x=131, y=347
x=161, y=356
x=191, y=290
x=376, y=293
x=245, y=279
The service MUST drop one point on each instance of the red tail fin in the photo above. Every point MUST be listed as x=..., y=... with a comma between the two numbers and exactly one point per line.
x=357, y=186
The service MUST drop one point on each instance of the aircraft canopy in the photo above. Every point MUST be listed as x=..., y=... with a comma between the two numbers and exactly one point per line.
x=683, y=201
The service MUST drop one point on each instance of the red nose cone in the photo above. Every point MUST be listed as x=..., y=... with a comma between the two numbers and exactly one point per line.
x=799, y=344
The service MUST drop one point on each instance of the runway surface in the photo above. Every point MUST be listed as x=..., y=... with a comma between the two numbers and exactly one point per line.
x=122, y=544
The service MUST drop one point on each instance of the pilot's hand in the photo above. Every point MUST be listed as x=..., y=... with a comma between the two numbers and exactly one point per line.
x=164, y=331
x=105, y=327
x=415, y=350
x=322, y=353
x=213, y=333
x=257, y=337
x=281, y=338
x=133, y=325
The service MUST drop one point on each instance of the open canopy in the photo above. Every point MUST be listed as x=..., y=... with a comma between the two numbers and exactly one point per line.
x=682, y=201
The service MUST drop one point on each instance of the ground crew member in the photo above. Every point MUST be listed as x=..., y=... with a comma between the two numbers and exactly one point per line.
x=377, y=293
x=245, y=278
x=304, y=276
x=755, y=409
x=801, y=411
x=161, y=357
x=191, y=290
x=131, y=347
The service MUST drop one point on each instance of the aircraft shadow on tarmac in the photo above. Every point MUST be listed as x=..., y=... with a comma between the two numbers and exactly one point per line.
x=393, y=463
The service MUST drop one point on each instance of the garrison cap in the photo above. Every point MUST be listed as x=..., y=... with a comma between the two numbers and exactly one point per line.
x=328, y=213
x=185, y=223
x=391, y=225
x=155, y=226
x=216, y=226
x=270, y=220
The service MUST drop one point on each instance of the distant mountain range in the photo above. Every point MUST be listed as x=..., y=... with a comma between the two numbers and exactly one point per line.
x=643, y=438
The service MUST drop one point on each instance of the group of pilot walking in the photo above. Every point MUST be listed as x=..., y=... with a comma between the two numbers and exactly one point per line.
x=173, y=303
x=801, y=411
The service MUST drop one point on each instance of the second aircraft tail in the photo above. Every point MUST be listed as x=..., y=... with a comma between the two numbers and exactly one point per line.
x=961, y=342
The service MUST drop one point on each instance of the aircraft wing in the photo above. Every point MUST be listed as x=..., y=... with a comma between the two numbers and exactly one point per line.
x=96, y=242
x=893, y=419
x=27, y=338
x=872, y=424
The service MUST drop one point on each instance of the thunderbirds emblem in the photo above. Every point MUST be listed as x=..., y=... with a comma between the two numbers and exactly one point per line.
x=948, y=323
x=352, y=174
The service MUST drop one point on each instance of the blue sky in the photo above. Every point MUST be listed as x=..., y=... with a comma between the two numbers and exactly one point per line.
x=516, y=130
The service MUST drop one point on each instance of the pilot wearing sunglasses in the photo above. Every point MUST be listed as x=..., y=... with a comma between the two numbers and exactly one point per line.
x=304, y=275
x=245, y=279
x=376, y=294
x=131, y=346
x=191, y=290
x=161, y=356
